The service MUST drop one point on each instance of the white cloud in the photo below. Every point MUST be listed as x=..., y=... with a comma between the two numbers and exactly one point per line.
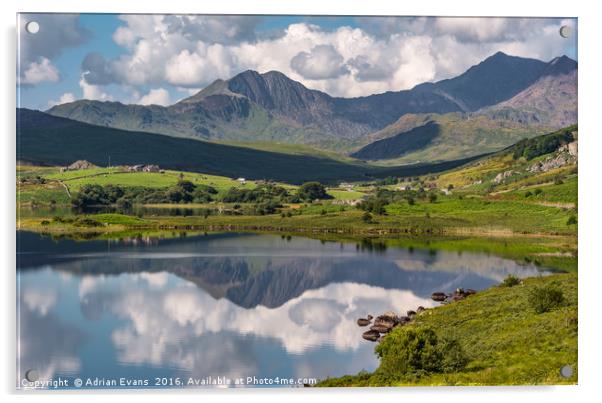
x=40, y=300
x=156, y=96
x=321, y=62
x=384, y=54
x=40, y=71
x=93, y=92
x=36, y=51
x=63, y=99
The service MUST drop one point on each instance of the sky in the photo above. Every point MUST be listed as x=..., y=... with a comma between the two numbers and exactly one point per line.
x=161, y=59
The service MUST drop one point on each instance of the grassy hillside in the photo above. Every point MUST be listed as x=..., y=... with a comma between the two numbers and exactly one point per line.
x=506, y=342
x=56, y=182
x=49, y=140
x=479, y=176
x=413, y=139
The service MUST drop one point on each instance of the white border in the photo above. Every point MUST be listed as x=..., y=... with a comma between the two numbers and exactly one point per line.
x=589, y=184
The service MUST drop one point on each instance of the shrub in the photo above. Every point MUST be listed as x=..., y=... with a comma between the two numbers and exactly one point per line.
x=374, y=205
x=367, y=217
x=511, y=281
x=572, y=220
x=87, y=222
x=414, y=352
x=544, y=299
x=528, y=194
x=432, y=197
x=537, y=192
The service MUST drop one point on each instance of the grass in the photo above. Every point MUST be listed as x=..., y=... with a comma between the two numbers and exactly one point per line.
x=565, y=192
x=516, y=216
x=506, y=340
x=103, y=176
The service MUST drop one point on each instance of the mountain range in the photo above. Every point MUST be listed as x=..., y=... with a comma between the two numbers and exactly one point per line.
x=490, y=106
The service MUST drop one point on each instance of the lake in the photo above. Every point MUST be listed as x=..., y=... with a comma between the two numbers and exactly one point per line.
x=220, y=307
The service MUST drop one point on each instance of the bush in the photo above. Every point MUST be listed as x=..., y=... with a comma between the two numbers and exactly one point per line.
x=414, y=352
x=375, y=205
x=572, y=220
x=367, y=217
x=87, y=222
x=528, y=194
x=511, y=281
x=544, y=299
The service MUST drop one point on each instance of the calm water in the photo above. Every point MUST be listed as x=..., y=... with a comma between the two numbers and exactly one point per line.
x=221, y=305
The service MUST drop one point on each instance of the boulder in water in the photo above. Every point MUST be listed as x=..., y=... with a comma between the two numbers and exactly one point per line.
x=438, y=296
x=363, y=322
x=371, y=335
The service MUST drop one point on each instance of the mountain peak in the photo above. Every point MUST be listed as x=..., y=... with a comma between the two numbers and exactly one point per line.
x=560, y=65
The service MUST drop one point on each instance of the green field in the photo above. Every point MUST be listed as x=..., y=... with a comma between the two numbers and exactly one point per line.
x=505, y=340
x=54, y=190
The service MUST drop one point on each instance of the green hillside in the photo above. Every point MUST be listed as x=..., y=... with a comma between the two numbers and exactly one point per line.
x=435, y=137
x=504, y=340
x=49, y=140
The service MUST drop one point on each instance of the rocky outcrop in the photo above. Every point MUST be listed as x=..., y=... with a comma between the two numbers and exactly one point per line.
x=80, y=164
x=566, y=154
x=499, y=178
x=457, y=295
x=386, y=322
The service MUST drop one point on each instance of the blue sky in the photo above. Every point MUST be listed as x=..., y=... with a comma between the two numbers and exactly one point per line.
x=162, y=59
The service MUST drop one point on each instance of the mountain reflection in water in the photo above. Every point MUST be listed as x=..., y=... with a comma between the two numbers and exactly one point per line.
x=233, y=305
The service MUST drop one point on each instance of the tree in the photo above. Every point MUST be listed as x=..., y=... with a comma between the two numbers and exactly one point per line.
x=311, y=191
x=90, y=195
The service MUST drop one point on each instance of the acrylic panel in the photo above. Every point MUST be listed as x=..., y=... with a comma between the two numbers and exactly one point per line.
x=295, y=201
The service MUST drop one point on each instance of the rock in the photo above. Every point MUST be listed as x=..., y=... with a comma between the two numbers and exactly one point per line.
x=385, y=321
x=80, y=164
x=389, y=314
x=420, y=309
x=371, y=335
x=381, y=328
x=438, y=296
x=573, y=149
x=363, y=322
x=470, y=291
x=499, y=178
x=369, y=317
x=411, y=313
x=404, y=319
x=456, y=297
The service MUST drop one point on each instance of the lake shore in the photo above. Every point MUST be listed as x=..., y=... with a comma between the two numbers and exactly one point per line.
x=557, y=251
x=519, y=347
